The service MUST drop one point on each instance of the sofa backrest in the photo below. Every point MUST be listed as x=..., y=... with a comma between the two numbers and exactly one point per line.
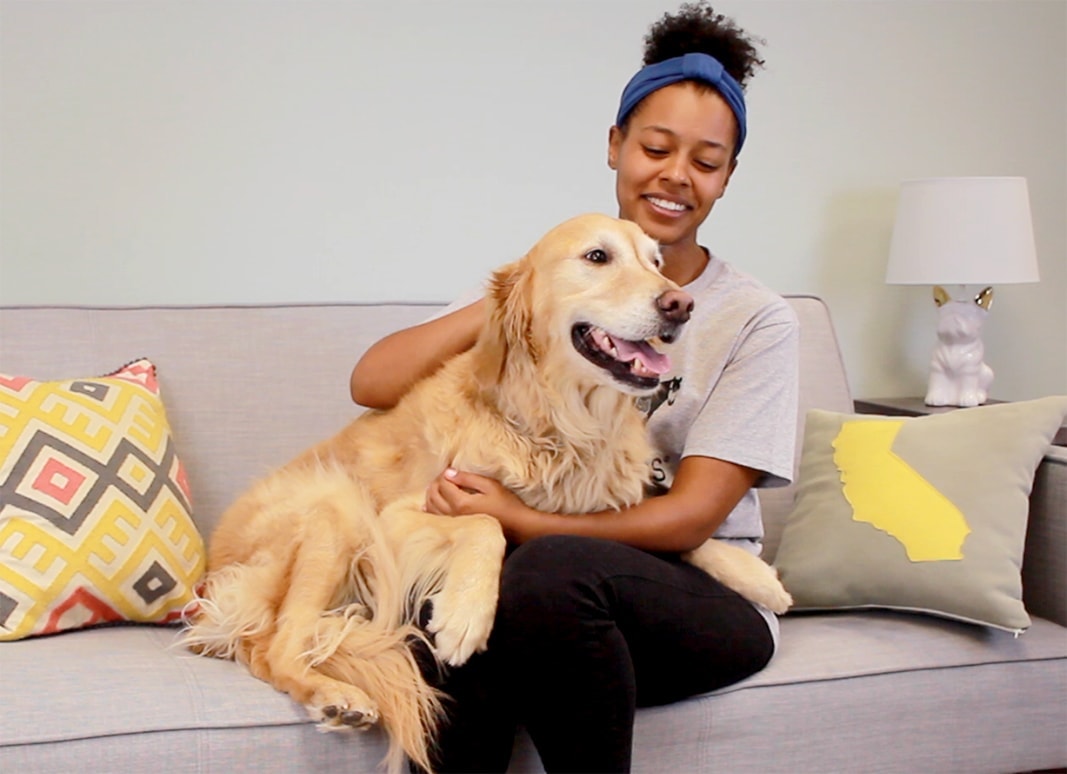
x=823, y=385
x=248, y=387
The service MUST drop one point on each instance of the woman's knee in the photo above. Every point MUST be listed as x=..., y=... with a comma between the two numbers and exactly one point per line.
x=549, y=552
x=552, y=577
x=548, y=562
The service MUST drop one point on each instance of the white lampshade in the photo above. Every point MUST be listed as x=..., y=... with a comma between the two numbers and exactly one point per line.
x=963, y=231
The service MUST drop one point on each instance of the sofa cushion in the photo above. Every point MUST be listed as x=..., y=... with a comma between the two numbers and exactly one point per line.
x=923, y=513
x=168, y=709
x=209, y=715
x=95, y=523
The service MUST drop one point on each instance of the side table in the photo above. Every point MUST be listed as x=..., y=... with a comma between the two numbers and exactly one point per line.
x=916, y=407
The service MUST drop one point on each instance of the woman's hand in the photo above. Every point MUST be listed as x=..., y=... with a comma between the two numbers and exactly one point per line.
x=457, y=493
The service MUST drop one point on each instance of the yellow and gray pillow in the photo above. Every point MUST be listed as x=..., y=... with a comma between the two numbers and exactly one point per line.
x=925, y=514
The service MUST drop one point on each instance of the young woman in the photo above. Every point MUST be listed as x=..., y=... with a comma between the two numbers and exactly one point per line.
x=597, y=614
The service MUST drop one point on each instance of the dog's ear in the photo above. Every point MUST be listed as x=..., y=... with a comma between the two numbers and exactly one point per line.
x=941, y=296
x=985, y=299
x=507, y=323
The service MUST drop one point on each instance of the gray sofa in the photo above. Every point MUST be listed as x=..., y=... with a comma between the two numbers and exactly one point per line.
x=248, y=387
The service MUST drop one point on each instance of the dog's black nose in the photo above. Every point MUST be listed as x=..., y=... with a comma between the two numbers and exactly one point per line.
x=675, y=306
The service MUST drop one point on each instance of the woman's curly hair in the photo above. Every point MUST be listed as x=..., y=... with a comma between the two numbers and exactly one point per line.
x=696, y=27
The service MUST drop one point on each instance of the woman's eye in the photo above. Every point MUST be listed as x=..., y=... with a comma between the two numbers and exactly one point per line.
x=707, y=166
x=597, y=256
x=655, y=151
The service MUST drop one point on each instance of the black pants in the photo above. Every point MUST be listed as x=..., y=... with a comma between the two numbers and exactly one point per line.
x=587, y=631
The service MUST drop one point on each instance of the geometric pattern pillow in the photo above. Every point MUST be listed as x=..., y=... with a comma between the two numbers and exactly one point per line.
x=924, y=514
x=95, y=518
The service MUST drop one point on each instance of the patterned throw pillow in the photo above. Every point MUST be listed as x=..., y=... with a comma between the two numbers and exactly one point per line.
x=924, y=514
x=95, y=522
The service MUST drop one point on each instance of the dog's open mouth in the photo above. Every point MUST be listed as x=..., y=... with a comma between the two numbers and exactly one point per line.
x=634, y=363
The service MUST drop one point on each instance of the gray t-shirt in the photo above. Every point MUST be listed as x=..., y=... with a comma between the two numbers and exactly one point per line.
x=731, y=393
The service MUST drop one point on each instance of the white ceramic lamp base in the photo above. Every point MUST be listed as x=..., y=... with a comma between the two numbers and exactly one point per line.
x=958, y=374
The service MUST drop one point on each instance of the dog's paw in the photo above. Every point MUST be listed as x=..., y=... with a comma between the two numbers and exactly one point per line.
x=460, y=628
x=760, y=584
x=341, y=708
x=745, y=573
x=774, y=597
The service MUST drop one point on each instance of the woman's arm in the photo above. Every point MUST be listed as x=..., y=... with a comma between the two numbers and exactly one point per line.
x=704, y=492
x=391, y=366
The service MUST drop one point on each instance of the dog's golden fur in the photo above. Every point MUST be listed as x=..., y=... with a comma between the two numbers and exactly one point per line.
x=317, y=574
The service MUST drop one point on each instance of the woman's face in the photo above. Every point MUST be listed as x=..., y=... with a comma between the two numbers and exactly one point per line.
x=674, y=161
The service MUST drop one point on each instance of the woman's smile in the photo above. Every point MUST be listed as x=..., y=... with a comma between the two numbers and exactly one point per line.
x=670, y=208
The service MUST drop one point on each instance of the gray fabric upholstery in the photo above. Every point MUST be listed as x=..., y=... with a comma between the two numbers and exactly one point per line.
x=823, y=385
x=128, y=698
x=246, y=388
x=1046, y=540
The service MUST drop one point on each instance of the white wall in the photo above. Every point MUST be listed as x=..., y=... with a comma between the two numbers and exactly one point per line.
x=203, y=151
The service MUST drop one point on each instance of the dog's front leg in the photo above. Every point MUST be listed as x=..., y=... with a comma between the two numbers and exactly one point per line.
x=465, y=607
x=454, y=563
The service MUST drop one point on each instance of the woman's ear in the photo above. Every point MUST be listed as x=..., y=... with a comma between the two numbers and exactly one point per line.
x=729, y=174
x=614, y=142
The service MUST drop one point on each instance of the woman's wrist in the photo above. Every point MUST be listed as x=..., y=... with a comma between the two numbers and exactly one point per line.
x=522, y=523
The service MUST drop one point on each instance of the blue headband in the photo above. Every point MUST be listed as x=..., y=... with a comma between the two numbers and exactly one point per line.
x=690, y=67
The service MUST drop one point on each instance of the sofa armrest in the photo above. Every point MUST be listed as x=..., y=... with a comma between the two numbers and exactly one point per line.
x=1045, y=558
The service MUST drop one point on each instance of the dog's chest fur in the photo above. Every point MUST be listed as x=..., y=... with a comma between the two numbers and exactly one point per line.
x=563, y=478
x=446, y=422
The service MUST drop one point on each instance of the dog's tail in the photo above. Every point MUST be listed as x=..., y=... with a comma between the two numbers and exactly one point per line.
x=380, y=660
x=228, y=609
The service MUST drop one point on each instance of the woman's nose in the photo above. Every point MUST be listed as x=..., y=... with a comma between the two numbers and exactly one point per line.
x=674, y=171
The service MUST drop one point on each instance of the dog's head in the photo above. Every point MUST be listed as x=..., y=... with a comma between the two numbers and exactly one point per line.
x=587, y=304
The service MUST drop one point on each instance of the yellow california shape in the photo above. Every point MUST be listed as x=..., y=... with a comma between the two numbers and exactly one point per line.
x=887, y=493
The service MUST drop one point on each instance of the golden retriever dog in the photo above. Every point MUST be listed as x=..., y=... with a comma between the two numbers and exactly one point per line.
x=318, y=573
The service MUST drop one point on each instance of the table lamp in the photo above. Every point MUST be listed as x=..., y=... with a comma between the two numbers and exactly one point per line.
x=960, y=231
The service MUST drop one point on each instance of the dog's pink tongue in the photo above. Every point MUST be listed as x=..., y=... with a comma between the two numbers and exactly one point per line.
x=653, y=361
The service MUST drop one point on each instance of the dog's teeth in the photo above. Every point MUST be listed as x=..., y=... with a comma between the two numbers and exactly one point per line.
x=638, y=369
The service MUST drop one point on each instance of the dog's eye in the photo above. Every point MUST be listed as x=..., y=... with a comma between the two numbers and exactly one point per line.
x=597, y=256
